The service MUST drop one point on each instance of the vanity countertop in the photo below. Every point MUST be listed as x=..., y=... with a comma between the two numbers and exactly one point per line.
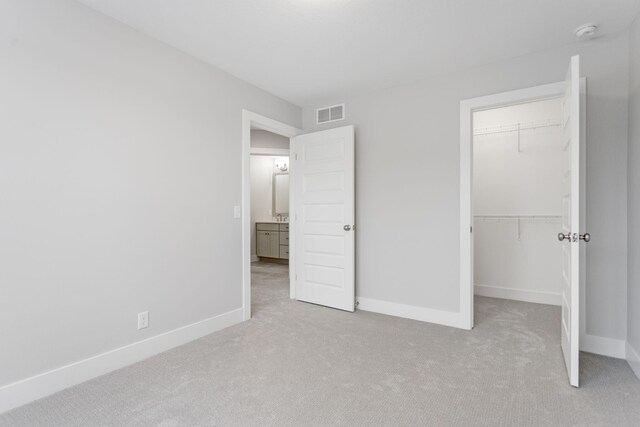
x=272, y=222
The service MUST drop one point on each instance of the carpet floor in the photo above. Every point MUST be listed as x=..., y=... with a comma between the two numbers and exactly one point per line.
x=297, y=364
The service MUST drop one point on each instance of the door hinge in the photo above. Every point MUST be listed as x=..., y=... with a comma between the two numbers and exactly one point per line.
x=471, y=229
x=295, y=156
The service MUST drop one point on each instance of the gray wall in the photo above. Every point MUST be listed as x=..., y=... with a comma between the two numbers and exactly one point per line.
x=407, y=178
x=266, y=139
x=119, y=169
x=634, y=190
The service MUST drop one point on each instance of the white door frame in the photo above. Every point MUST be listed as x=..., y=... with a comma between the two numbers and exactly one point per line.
x=249, y=120
x=467, y=108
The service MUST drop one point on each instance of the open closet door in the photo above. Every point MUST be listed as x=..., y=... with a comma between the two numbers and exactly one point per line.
x=324, y=194
x=570, y=235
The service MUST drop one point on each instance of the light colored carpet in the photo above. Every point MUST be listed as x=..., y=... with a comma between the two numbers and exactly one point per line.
x=297, y=364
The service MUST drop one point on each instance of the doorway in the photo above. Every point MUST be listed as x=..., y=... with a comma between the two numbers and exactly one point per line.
x=269, y=170
x=468, y=109
x=269, y=197
x=517, y=201
x=273, y=145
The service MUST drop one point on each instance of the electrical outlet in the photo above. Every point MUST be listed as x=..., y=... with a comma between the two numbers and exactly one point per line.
x=143, y=320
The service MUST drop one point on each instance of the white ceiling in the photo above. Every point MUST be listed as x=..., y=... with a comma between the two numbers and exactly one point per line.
x=311, y=51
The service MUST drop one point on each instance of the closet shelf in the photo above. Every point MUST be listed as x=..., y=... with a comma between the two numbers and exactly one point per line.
x=519, y=219
x=518, y=216
x=516, y=127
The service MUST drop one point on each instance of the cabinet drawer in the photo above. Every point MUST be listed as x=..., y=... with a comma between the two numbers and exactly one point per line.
x=284, y=227
x=284, y=238
x=264, y=226
x=284, y=252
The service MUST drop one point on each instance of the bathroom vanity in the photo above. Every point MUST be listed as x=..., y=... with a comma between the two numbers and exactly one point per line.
x=272, y=240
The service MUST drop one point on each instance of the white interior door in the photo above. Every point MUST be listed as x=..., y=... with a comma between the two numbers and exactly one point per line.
x=570, y=235
x=324, y=194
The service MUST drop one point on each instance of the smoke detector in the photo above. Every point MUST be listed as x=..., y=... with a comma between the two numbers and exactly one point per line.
x=586, y=31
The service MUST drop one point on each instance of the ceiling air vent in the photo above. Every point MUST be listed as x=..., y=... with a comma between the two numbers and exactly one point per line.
x=330, y=114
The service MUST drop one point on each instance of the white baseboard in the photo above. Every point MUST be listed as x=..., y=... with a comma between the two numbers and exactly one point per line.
x=517, y=294
x=602, y=345
x=633, y=357
x=41, y=385
x=424, y=314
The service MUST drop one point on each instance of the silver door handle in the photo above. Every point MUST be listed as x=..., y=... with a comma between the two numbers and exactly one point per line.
x=586, y=237
x=347, y=228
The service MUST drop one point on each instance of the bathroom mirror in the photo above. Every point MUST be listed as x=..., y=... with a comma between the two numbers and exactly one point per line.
x=281, y=194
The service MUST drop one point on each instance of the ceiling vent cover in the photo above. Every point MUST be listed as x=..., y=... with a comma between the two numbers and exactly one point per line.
x=330, y=114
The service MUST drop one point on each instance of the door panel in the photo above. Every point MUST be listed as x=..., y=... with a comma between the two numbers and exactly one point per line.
x=570, y=319
x=324, y=214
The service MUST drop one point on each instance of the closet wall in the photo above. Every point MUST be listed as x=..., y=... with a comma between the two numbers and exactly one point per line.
x=517, y=191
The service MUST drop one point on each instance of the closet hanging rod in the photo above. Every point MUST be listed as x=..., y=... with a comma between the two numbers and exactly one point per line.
x=519, y=216
x=516, y=127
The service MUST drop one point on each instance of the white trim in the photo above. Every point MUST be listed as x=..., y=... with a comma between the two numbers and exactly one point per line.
x=633, y=358
x=423, y=314
x=467, y=107
x=38, y=386
x=256, y=151
x=526, y=295
x=293, y=156
x=466, y=213
x=250, y=119
x=602, y=345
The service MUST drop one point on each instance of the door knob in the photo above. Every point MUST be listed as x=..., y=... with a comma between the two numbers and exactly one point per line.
x=347, y=227
x=586, y=237
x=562, y=236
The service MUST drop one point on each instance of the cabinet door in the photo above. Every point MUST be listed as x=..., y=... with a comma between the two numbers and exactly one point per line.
x=268, y=244
x=274, y=244
x=262, y=243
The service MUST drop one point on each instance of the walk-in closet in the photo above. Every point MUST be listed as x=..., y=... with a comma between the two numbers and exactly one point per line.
x=517, y=193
